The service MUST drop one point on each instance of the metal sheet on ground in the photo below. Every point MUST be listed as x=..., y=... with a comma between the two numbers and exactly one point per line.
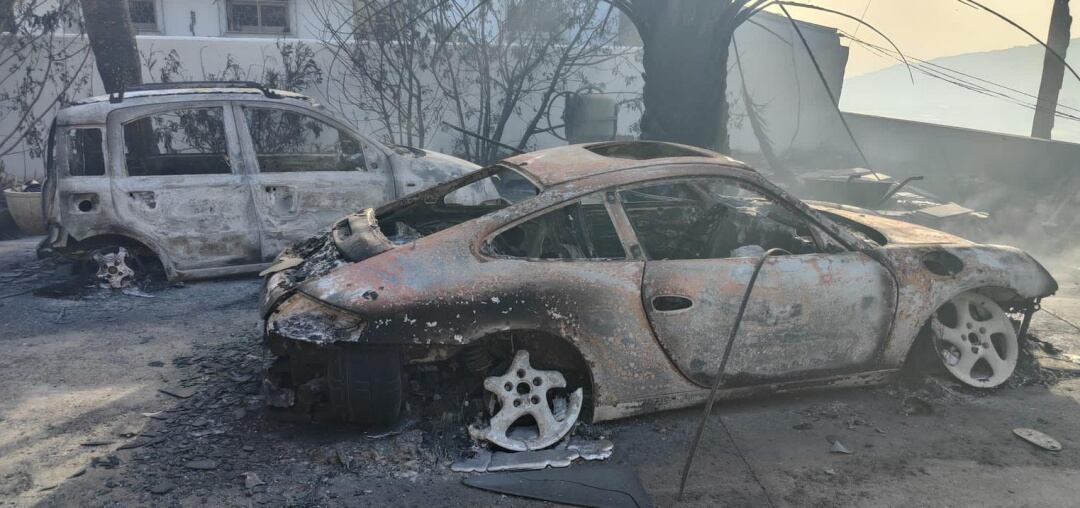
x=598, y=485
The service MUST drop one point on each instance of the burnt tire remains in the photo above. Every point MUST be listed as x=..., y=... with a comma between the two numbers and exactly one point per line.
x=366, y=385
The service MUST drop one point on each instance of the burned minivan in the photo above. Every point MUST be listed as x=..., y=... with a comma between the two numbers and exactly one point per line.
x=212, y=178
x=601, y=281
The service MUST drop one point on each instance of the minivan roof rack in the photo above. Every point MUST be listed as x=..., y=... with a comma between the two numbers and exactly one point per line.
x=119, y=96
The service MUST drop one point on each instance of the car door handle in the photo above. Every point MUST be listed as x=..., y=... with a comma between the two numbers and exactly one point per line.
x=671, y=303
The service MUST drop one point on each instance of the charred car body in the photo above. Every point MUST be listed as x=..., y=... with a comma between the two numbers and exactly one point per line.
x=213, y=178
x=600, y=281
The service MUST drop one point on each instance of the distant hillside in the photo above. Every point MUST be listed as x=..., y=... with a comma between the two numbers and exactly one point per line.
x=889, y=92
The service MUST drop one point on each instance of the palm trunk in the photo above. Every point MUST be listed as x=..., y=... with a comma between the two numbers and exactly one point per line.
x=112, y=38
x=685, y=60
x=7, y=16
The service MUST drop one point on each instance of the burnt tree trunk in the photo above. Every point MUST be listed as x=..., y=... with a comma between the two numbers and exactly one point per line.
x=112, y=38
x=685, y=46
x=7, y=16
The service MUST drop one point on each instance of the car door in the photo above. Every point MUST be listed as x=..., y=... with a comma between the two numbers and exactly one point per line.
x=812, y=313
x=177, y=183
x=308, y=170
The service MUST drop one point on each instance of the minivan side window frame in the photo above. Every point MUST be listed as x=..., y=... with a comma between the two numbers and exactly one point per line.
x=377, y=159
x=115, y=132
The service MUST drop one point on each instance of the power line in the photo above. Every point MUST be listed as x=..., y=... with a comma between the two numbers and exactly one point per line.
x=968, y=81
x=861, y=16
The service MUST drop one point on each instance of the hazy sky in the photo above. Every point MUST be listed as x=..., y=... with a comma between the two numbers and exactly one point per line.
x=932, y=28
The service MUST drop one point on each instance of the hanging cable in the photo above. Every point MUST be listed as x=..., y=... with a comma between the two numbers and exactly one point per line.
x=720, y=377
x=832, y=97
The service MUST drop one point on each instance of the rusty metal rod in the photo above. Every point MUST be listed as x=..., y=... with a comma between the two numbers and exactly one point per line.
x=720, y=371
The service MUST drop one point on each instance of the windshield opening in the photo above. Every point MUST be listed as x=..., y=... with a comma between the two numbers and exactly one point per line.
x=464, y=200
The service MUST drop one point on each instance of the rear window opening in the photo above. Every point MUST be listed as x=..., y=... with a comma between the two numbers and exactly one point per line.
x=466, y=199
x=644, y=150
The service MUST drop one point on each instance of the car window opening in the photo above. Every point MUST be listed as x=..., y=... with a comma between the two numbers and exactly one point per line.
x=580, y=230
x=459, y=203
x=712, y=219
x=84, y=154
x=188, y=141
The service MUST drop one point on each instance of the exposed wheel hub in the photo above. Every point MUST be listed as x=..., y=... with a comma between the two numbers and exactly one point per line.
x=523, y=391
x=975, y=340
x=113, y=269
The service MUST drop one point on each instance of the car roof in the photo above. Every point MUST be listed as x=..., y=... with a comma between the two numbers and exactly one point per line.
x=94, y=110
x=561, y=164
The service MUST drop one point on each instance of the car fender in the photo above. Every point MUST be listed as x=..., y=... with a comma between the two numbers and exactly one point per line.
x=1008, y=275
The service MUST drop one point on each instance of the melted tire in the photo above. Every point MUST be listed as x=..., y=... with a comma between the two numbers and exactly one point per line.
x=366, y=385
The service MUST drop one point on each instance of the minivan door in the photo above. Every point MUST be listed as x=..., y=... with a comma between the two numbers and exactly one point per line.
x=177, y=183
x=308, y=172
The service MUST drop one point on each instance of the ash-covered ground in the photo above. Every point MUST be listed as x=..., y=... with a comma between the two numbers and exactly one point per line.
x=115, y=399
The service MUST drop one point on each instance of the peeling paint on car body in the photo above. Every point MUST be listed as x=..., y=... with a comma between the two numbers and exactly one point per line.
x=847, y=317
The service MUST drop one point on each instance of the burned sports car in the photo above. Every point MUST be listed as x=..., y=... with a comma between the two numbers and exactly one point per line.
x=601, y=281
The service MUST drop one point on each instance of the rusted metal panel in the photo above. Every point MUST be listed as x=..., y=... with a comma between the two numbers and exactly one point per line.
x=412, y=298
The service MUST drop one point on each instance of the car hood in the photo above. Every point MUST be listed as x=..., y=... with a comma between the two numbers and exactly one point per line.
x=897, y=232
x=421, y=169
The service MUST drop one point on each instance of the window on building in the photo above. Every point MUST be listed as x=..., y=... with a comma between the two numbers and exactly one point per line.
x=189, y=141
x=258, y=16
x=286, y=141
x=581, y=230
x=144, y=15
x=84, y=155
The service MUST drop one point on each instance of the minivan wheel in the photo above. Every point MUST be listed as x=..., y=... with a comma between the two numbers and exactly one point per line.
x=366, y=385
x=116, y=266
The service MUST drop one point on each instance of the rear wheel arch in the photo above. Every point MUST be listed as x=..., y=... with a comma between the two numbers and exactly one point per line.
x=84, y=249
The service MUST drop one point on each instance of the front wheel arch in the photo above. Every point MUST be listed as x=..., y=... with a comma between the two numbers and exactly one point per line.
x=922, y=357
x=549, y=351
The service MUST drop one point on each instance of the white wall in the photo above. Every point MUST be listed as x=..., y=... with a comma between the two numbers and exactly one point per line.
x=779, y=75
x=784, y=84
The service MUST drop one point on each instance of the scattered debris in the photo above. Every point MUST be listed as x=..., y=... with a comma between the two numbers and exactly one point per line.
x=162, y=488
x=96, y=443
x=401, y=426
x=585, y=485
x=139, y=443
x=837, y=446
x=913, y=405
x=107, y=462
x=531, y=460
x=1038, y=439
x=474, y=461
x=252, y=480
x=599, y=449
x=201, y=464
x=803, y=426
x=180, y=393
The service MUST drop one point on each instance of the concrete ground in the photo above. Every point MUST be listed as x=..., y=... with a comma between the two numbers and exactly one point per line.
x=84, y=421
